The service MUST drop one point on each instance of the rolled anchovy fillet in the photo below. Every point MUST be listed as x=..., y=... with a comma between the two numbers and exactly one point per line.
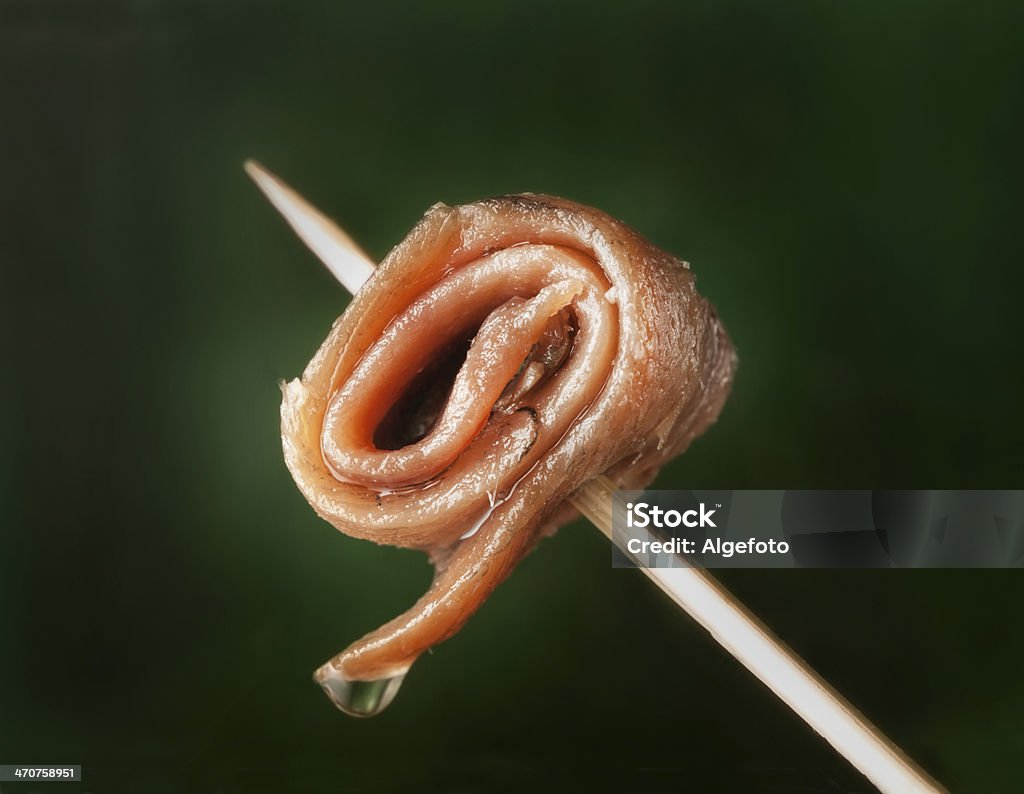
x=502, y=355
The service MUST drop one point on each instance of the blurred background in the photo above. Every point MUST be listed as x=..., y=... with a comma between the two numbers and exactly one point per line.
x=845, y=179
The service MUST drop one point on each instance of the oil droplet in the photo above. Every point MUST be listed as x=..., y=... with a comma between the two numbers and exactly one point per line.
x=493, y=501
x=358, y=698
x=473, y=529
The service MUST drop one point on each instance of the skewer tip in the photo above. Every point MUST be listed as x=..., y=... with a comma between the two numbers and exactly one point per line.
x=264, y=179
x=346, y=260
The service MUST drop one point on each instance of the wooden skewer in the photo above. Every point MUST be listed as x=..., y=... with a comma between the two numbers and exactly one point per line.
x=693, y=589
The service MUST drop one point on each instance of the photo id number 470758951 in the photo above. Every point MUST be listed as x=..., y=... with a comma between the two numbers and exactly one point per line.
x=20, y=773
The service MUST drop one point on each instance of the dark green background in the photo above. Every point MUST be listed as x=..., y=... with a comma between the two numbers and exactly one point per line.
x=845, y=179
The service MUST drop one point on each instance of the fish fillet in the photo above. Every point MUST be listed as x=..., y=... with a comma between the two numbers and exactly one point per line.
x=502, y=355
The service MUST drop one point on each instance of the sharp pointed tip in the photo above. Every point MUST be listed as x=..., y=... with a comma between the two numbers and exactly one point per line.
x=263, y=178
x=332, y=246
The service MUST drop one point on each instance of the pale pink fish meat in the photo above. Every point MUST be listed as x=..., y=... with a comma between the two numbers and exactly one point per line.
x=502, y=355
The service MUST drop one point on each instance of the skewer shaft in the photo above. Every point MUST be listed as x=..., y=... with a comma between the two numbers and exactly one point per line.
x=768, y=658
x=694, y=590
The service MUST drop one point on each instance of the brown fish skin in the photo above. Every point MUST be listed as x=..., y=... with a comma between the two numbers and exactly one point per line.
x=592, y=353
